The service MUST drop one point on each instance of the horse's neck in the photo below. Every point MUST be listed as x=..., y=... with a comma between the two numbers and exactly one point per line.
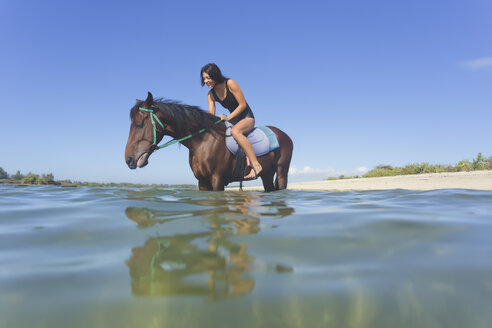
x=203, y=141
x=212, y=135
x=166, y=114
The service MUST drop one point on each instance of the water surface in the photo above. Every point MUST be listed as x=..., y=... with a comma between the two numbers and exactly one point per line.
x=120, y=257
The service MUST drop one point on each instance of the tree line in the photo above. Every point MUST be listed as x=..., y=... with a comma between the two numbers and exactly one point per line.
x=479, y=163
x=49, y=179
x=30, y=178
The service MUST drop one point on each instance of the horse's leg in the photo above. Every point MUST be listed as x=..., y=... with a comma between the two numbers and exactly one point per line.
x=267, y=179
x=204, y=185
x=217, y=182
x=283, y=164
x=281, y=181
x=283, y=170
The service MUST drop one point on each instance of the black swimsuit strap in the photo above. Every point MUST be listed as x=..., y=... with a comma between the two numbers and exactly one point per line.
x=214, y=94
x=227, y=88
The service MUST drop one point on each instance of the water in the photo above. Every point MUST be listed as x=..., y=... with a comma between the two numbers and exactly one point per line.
x=115, y=257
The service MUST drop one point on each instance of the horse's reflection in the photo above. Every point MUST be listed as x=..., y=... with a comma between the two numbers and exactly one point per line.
x=144, y=217
x=205, y=263
x=175, y=266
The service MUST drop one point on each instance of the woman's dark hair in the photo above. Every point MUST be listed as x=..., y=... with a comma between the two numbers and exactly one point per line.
x=214, y=72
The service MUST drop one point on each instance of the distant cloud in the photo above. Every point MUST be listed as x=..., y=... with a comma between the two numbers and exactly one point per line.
x=310, y=173
x=361, y=170
x=308, y=170
x=480, y=63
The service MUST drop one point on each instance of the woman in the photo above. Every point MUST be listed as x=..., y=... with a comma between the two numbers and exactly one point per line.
x=229, y=95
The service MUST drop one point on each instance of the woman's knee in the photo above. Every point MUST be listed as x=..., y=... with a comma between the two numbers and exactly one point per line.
x=236, y=132
x=242, y=127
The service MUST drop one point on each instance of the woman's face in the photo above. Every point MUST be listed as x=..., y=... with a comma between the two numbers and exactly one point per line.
x=208, y=81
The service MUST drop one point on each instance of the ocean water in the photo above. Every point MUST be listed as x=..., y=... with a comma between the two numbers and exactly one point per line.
x=120, y=257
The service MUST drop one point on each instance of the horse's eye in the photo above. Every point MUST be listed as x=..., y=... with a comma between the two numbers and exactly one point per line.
x=138, y=125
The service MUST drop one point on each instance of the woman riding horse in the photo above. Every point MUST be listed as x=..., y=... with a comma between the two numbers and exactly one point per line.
x=204, y=136
x=229, y=95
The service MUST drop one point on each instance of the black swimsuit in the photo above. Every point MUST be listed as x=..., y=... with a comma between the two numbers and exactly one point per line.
x=231, y=104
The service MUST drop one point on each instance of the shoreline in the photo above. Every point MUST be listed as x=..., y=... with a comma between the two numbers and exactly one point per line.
x=478, y=180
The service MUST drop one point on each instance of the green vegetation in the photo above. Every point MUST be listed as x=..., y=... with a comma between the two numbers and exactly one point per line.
x=341, y=177
x=3, y=174
x=17, y=177
x=479, y=163
x=48, y=179
x=30, y=178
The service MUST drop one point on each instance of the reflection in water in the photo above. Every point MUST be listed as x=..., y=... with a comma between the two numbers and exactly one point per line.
x=144, y=217
x=204, y=263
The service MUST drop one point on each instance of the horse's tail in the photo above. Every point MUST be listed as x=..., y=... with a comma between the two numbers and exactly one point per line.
x=283, y=163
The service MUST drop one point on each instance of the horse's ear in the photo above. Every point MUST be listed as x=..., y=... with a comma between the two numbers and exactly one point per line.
x=149, y=101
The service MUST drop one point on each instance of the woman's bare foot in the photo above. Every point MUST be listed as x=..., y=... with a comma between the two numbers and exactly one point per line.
x=252, y=174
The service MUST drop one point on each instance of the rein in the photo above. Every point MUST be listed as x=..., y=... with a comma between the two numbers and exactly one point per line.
x=170, y=142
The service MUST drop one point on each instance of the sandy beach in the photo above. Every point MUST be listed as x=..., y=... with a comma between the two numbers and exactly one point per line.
x=480, y=180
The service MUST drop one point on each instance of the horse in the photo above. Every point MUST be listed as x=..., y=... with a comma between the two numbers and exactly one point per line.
x=204, y=136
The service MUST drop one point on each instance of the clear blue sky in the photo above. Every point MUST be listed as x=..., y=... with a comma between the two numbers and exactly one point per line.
x=354, y=83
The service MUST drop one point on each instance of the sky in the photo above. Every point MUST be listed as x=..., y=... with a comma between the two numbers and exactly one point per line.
x=354, y=83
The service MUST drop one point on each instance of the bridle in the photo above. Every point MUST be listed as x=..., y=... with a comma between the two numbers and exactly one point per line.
x=154, y=118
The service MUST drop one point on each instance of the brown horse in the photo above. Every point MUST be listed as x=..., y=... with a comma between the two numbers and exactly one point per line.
x=210, y=160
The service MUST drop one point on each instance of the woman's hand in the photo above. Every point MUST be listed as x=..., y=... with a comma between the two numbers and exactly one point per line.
x=223, y=117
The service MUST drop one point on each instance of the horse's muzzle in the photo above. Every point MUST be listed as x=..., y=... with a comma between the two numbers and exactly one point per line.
x=131, y=162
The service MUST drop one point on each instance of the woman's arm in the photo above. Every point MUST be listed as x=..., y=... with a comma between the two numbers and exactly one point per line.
x=211, y=103
x=238, y=94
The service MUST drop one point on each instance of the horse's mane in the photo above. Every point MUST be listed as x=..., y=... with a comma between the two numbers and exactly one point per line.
x=186, y=119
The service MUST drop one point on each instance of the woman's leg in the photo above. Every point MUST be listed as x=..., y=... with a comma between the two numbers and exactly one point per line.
x=244, y=126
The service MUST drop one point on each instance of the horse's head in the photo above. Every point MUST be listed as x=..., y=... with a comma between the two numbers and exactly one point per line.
x=145, y=133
